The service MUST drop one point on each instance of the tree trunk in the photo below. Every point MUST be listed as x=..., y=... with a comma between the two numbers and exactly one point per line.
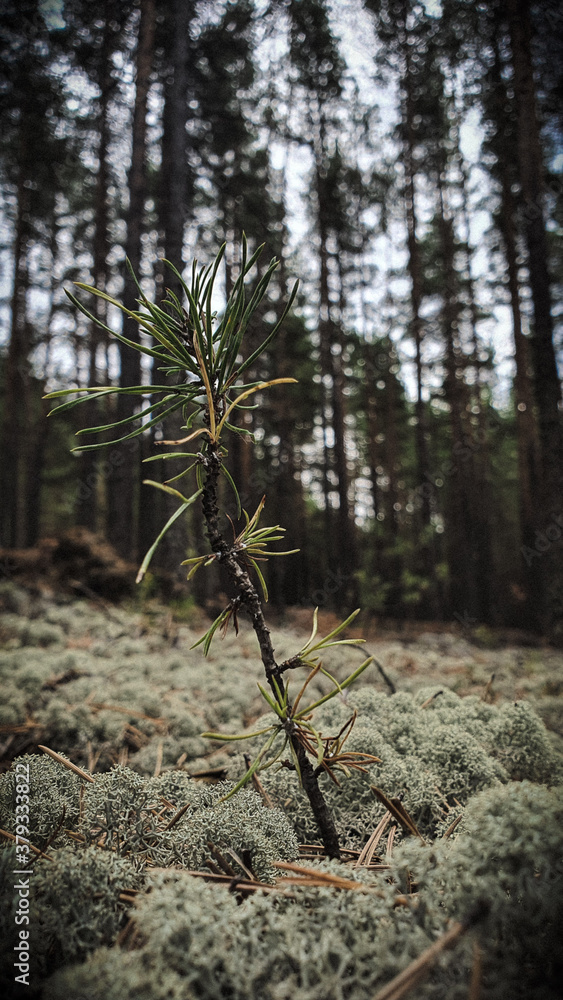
x=331, y=349
x=547, y=385
x=16, y=387
x=461, y=549
x=427, y=554
x=372, y=374
x=174, y=213
x=42, y=426
x=477, y=438
x=124, y=479
x=87, y=495
x=326, y=375
x=526, y=426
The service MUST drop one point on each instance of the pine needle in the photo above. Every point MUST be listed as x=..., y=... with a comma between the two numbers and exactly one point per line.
x=67, y=763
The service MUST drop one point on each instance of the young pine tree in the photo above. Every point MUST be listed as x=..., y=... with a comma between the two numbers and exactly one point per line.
x=199, y=357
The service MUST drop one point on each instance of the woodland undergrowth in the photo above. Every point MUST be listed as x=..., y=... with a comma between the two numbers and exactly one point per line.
x=374, y=842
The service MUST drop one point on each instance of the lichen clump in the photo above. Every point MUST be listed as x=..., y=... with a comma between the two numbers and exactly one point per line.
x=436, y=751
x=125, y=811
x=54, y=800
x=116, y=913
x=75, y=906
x=100, y=835
x=195, y=940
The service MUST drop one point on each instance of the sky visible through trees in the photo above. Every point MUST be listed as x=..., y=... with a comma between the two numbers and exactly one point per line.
x=403, y=160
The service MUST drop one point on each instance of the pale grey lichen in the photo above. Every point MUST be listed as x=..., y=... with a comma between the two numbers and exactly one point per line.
x=522, y=744
x=9, y=904
x=27, y=632
x=445, y=756
x=122, y=810
x=14, y=599
x=167, y=750
x=54, y=798
x=436, y=750
x=126, y=813
x=325, y=944
x=508, y=852
x=74, y=905
x=115, y=975
x=312, y=944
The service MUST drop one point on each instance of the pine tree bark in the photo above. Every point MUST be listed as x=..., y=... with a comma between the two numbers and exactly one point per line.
x=174, y=214
x=331, y=348
x=86, y=510
x=123, y=482
x=526, y=427
x=16, y=391
x=477, y=435
x=373, y=428
x=427, y=554
x=42, y=427
x=326, y=374
x=460, y=532
x=547, y=385
x=247, y=598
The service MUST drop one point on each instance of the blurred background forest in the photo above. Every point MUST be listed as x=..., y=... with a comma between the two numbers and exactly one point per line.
x=404, y=159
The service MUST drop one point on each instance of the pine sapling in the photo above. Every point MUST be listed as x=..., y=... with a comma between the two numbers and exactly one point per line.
x=199, y=355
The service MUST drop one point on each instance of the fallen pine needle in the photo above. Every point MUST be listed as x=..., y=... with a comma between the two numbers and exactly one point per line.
x=369, y=848
x=24, y=840
x=421, y=966
x=67, y=763
x=177, y=816
x=312, y=877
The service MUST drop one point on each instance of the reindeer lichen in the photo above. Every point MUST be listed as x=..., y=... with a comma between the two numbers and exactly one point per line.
x=436, y=751
x=74, y=905
x=324, y=944
x=122, y=811
x=54, y=799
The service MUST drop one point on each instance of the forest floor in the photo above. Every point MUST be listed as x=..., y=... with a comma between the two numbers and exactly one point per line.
x=119, y=683
x=124, y=887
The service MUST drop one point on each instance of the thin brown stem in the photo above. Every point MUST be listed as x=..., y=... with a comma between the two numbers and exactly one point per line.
x=251, y=604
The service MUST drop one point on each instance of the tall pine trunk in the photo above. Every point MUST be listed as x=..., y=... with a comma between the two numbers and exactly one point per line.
x=86, y=512
x=124, y=480
x=427, y=554
x=343, y=547
x=526, y=426
x=477, y=434
x=460, y=533
x=42, y=426
x=174, y=213
x=546, y=379
x=16, y=374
